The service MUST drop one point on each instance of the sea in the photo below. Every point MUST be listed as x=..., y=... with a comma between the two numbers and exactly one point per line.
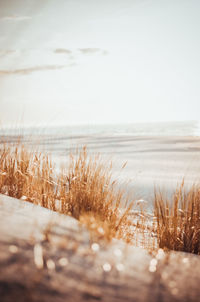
x=179, y=128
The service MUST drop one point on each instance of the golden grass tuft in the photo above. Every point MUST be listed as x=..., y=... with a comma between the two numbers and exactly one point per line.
x=178, y=220
x=84, y=190
x=26, y=175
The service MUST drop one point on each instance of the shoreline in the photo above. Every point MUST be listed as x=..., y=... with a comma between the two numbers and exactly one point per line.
x=151, y=161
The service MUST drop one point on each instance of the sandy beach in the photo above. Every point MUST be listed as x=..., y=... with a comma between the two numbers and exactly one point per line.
x=161, y=161
x=150, y=160
x=156, y=161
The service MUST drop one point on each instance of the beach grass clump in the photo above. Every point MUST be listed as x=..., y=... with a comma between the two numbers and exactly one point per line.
x=85, y=189
x=27, y=175
x=178, y=220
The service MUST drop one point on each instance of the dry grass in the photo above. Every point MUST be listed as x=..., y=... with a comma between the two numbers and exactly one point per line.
x=178, y=220
x=84, y=190
x=27, y=175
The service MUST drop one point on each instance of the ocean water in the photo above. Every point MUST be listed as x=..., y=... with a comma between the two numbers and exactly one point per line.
x=188, y=128
x=139, y=129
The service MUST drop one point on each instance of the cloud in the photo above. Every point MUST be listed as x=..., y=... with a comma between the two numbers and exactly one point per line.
x=84, y=51
x=6, y=52
x=63, y=51
x=89, y=50
x=29, y=70
x=15, y=18
x=105, y=52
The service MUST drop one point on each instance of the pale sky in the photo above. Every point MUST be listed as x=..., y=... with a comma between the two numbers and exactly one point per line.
x=99, y=61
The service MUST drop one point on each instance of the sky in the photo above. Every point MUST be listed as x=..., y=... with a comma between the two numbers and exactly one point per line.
x=99, y=61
